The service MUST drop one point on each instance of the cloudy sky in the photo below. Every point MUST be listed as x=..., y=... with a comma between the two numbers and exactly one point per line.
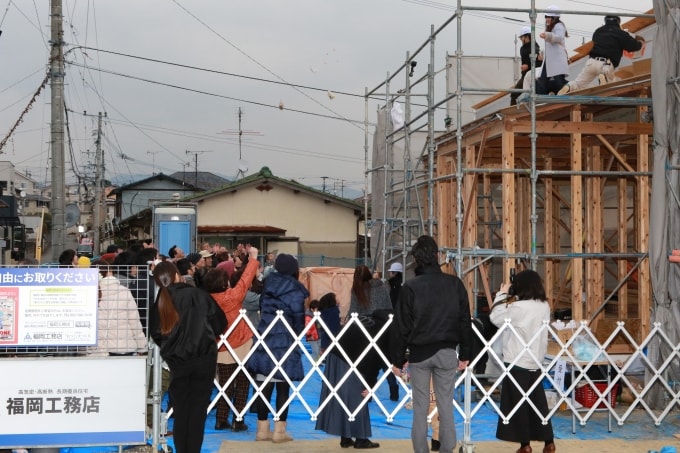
x=172, y=76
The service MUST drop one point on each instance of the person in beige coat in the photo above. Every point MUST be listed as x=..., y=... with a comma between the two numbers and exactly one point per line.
x=119, y=329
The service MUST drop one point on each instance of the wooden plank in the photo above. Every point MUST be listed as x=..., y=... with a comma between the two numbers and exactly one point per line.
x=642, y=227
x=576, y=220
x=548, y=227
x=470, y=214
x=594, y=232
x=614, y=152
x=587, y=128
x=508, y=194
x=446, y=232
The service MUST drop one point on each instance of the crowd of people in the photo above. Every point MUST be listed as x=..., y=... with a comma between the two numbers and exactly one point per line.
x=190, y=306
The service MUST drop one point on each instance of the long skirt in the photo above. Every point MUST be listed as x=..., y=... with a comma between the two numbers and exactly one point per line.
x=333, y=419
x=525, y=425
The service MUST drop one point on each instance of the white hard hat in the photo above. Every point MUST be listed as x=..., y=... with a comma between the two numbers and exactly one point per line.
x=552, y=11
x=396, y=267
x=525, y=30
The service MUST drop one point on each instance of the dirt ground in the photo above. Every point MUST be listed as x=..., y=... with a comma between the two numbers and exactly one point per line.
x=401, y=446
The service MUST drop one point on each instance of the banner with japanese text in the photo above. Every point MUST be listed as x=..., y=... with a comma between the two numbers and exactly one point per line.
x=82, y=401
x=48, y=306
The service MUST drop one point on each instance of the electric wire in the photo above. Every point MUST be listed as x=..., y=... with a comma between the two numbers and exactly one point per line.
x=2, y=21
x=242, y=52
x=221, y=96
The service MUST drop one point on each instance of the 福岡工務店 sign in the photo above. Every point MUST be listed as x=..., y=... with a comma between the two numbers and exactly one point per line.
x=48, y=306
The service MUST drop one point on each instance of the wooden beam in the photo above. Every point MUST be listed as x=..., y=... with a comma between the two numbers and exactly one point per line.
x=587, y=128
x=614, y=152
x=548, y=227
x=594, y=232
x=576, y=220
x=642, y=230
x=508, y=194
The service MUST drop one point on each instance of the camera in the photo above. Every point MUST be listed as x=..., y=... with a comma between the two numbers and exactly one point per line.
x=511, y=290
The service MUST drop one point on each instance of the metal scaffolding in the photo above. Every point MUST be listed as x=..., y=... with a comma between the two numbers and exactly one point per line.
x=407, y=191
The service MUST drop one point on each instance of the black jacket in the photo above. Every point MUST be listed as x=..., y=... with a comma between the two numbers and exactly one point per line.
x=609, y=41
x=201, y=321
x=432, y=313
x=525, y=55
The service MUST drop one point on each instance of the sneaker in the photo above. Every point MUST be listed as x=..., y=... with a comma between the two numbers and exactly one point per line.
x=565, y=89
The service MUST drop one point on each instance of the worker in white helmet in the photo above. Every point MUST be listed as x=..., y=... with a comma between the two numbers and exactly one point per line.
x=525, y=60
x=556, y=60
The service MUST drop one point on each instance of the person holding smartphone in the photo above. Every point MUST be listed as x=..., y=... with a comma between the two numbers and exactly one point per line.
x=525, y=304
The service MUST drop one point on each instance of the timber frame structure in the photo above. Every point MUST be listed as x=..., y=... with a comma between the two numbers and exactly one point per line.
x=575, y=207
x=559, y=184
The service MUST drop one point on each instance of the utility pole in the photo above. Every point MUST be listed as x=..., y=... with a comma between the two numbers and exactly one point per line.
x=196, y=153
x=324, y=182
x=57, y=129
x=98, y=173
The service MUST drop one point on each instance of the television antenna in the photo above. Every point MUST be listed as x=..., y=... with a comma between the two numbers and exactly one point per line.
x=242, y=164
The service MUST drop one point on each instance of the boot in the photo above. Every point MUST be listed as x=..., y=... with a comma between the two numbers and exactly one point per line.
x=280, y=434
x=263, y=430
x=394, y=392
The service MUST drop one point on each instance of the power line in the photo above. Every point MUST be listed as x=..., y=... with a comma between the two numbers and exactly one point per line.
x=207, y=93
x=245, y=54
x=215, y=71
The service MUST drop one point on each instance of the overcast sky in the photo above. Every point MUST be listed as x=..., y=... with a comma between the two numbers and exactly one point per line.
x=275, y=60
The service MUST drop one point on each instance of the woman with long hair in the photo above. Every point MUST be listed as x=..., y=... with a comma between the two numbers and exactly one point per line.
x=555, y=60
x=185, y=323
x=525, y=304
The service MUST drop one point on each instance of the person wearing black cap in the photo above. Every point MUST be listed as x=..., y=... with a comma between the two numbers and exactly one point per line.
x=609, y=42
x=282, y=291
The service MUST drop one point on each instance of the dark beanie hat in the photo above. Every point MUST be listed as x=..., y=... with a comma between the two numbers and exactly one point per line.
x=286, y=264
x=194, y=257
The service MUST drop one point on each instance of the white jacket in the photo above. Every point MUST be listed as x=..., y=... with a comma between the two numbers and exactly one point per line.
x=527, y=317
x=119, y=329
x=555, y=56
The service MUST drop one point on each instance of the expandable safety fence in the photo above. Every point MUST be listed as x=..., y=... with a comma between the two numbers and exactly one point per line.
x=578, y=373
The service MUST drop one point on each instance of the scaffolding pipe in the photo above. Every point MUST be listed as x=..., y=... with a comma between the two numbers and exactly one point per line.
x=407, y=153
x=459, y=137
x=430, y=137
x=366, y=173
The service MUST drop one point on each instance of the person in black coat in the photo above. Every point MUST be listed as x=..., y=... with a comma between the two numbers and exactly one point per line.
x=432, y=322
x=609, y=42
x=185, y=323
x=282, y=291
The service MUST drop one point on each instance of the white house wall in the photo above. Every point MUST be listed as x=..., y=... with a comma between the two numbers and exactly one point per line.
x=300, y=214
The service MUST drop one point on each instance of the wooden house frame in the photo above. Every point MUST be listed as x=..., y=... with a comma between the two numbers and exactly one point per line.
x=572, y=202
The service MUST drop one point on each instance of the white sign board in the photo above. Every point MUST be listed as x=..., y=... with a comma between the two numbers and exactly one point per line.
x=72, y=401
x=48, y=306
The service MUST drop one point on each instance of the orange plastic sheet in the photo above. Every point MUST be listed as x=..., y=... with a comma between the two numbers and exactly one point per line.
x=322, y=280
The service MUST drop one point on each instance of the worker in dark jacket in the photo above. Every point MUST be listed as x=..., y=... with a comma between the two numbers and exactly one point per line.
x=185, y=322
x=609, y=42
x=525, y=61
x=431, y=320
